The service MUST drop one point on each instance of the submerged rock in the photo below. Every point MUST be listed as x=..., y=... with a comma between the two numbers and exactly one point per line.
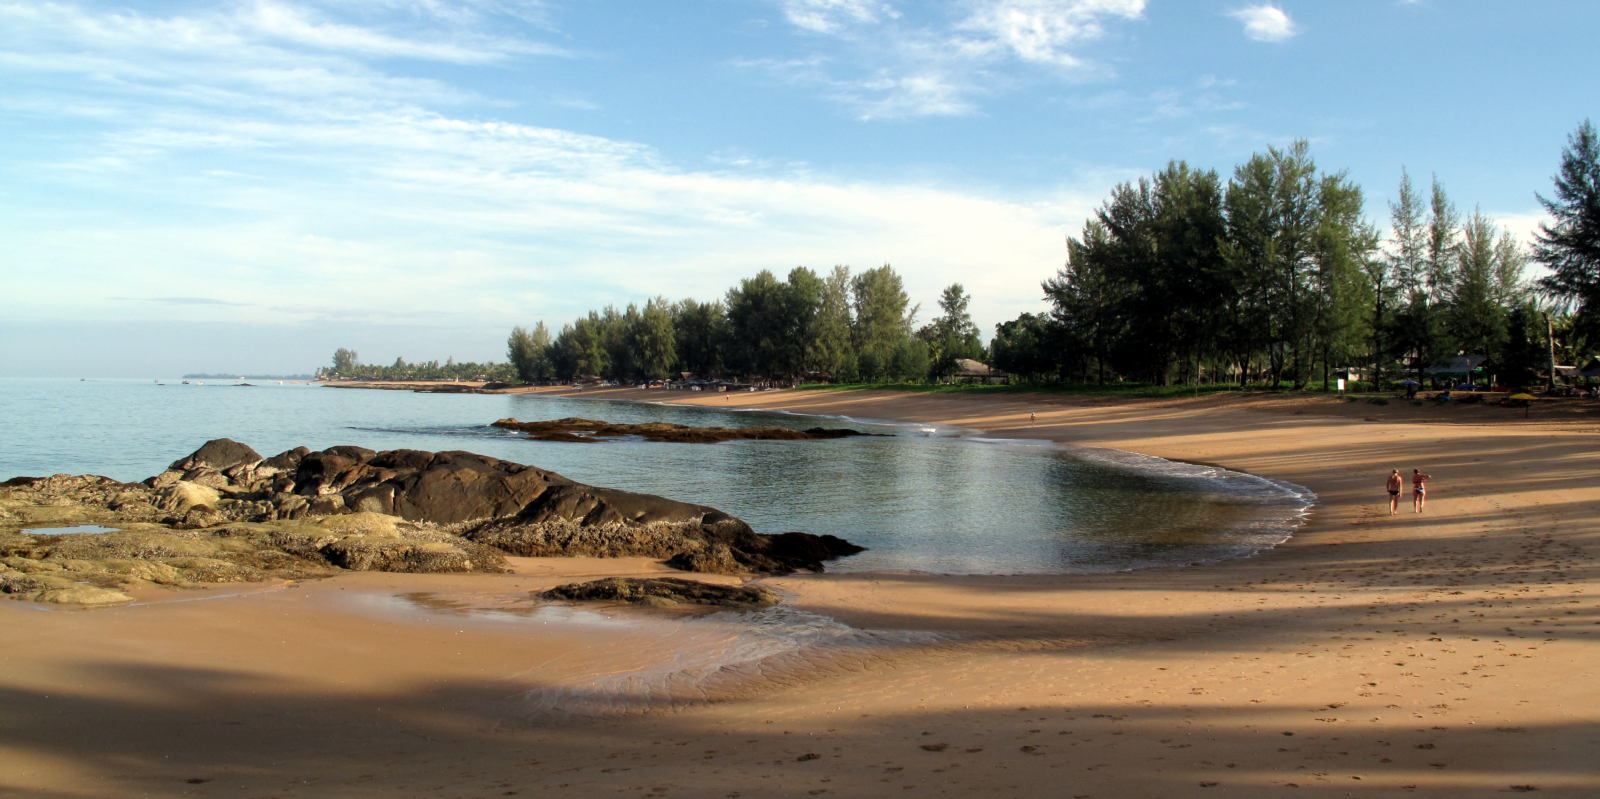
x=574, y=429
x=663, y=591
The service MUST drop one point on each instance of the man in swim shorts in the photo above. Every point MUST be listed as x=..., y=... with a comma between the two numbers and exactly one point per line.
x=1419, y=489
x=1394, y=492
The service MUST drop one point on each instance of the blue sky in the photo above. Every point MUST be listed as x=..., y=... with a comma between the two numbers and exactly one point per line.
x=245, y=186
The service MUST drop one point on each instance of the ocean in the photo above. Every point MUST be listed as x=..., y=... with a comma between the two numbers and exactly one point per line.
x=937, y=500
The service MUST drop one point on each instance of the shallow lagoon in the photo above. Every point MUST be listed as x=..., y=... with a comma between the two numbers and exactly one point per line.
x=951, y=501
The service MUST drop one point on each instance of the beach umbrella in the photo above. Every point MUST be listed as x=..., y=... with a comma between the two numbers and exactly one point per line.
x=1409, y=383
x=1524, y=399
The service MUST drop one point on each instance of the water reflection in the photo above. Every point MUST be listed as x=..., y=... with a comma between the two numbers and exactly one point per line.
x=952, y=502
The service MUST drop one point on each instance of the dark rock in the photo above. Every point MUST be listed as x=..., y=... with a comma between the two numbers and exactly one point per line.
x=592, y=505
x=574, y=429
x=358, y=454
x=458, y=487
x=714, y=559
x=663, y=591
x=217, y=454
x=286, y=461
x=319, y=469
x=805, y=546
x=401, y=460
x=476, y=500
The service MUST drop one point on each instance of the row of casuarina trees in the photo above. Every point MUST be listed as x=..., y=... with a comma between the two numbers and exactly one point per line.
x=1274, y=275
x=839, y=326
x=1270, y=276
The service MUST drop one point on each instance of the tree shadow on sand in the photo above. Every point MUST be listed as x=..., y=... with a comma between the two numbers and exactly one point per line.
x=209, y=733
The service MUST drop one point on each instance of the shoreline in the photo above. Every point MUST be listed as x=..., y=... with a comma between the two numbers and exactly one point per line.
x=1298, y=500
x=1447, y=654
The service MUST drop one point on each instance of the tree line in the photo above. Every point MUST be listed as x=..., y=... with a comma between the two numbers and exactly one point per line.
x=1274, y=276
x=839, y=326
x=1271, y=275
x=347, y=365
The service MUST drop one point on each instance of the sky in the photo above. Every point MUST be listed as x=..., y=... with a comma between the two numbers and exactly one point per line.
x=247, y=186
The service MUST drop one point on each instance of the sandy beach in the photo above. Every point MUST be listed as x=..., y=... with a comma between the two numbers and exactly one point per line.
x=1452, y=653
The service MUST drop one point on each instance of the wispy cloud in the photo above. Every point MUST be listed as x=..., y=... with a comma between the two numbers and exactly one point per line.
x=1266, y=23
x=899, y=96
x=265, y=169
x=888, y=66
x=831, y=16
x=1043, y=31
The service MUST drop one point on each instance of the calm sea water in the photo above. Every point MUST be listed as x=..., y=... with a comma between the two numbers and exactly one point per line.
x=950, y=501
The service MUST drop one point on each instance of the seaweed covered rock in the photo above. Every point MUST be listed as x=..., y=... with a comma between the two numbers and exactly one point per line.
x=62, y=567
x=663, y=591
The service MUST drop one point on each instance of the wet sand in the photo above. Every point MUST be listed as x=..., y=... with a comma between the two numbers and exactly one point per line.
x=1448, y=654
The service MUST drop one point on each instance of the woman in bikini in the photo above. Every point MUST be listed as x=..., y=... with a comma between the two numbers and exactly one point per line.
x=1419, y=489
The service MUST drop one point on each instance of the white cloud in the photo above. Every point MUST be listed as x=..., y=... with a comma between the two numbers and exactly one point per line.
x=1521, y=225
x=897, y=97
x=243, y=164
x=885, y=67
x=1266, y=23
x=1042, y=31
x=831, y=16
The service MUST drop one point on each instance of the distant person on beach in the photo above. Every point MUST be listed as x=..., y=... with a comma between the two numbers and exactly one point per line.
x=1394, y=492
x=1033, y=417
x=1419, y=489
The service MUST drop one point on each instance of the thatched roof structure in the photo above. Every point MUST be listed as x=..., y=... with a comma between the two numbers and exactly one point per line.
x=1458, y=365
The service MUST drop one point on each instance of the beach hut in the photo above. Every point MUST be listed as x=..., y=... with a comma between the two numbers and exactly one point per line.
x=971, y=371
x=1464, y=368
x=1458, y=366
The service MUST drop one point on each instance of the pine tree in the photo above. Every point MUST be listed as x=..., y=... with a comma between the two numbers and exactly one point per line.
x=529, y=353
x=1474, y=319
x=951, y=335
x=828, y=342
x=1571, y=246
x=882, y=321
x=652, y=340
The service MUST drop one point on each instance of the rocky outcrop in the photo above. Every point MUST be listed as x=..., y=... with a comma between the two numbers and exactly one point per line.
x=663, y=592
x=224, y=513
x=62, y=568
x=574, y=429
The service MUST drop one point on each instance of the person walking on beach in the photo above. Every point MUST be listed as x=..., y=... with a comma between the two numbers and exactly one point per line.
x=1394, y=492
x=1419, y=489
